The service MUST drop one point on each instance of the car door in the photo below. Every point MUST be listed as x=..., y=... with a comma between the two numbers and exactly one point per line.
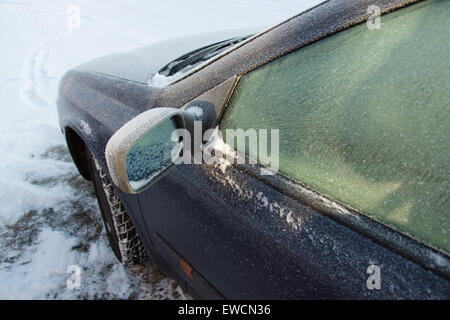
x=362, y=179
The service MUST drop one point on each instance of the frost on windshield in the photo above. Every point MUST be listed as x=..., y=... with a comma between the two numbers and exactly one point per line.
x=364, y=118
x=150, y=155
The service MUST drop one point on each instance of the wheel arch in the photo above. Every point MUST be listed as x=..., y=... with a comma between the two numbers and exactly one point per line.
x=78, y=150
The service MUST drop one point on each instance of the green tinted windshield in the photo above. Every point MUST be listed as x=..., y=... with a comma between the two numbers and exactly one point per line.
x=364, y=117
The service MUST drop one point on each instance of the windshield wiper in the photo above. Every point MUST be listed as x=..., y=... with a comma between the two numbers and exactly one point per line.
x=193, y=58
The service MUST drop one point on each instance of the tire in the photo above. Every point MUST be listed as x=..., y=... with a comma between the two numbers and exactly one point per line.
x=122, y=235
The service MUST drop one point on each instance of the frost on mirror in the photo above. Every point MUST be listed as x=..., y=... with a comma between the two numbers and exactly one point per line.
x=150, y=155
x=364, y=118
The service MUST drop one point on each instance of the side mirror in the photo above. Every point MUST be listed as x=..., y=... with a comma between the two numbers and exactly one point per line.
x=141, y=151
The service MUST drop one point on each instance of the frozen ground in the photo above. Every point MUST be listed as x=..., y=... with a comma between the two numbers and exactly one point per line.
x=48, y=214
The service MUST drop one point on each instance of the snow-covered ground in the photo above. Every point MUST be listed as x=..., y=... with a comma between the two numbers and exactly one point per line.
x=49, y=217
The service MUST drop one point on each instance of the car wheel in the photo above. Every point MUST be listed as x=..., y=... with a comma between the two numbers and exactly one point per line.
x=122, y=235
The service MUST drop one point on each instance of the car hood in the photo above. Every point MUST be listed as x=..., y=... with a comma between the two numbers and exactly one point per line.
x=141, y=64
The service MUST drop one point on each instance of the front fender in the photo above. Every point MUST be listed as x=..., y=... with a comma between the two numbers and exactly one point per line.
x=95, y=106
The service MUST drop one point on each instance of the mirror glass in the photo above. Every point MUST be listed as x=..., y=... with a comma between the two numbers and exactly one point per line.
x=150, y=156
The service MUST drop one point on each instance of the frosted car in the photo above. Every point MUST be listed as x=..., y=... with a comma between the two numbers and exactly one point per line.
x=357, y=203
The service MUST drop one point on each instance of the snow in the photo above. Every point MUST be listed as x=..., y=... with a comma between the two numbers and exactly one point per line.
x=49, y=217
x=160, y=81
x=86, y=129
x=198, y=111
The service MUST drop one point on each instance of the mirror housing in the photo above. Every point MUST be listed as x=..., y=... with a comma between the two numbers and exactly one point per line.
x=139, y=153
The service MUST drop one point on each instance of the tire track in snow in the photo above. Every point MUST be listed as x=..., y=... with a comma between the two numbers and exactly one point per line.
x=35, y=78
